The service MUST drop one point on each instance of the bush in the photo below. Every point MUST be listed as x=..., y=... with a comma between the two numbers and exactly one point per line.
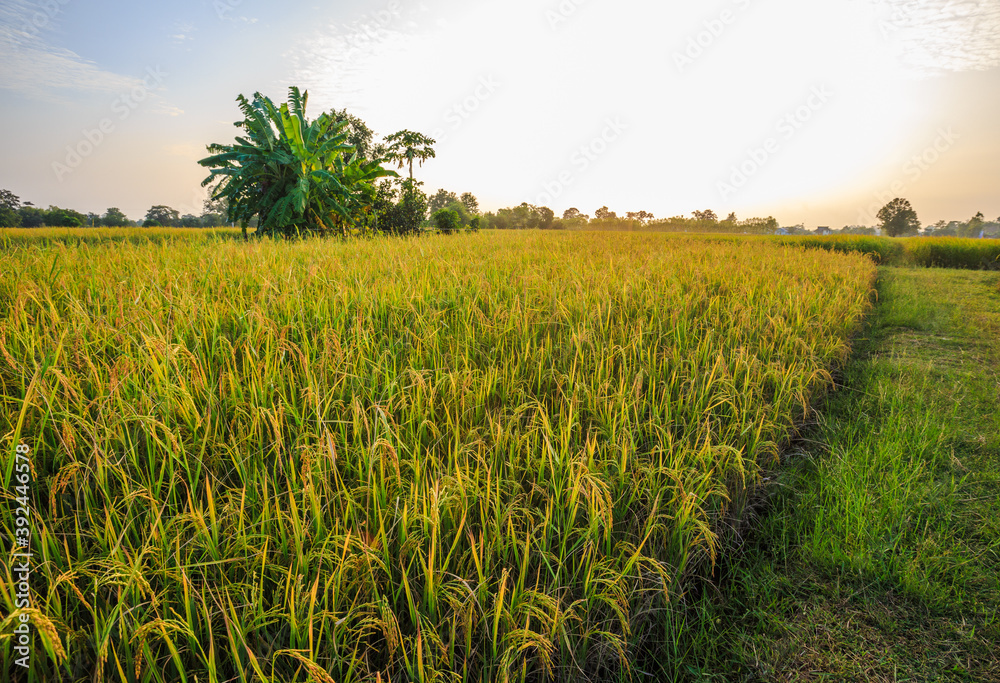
x=447, y=221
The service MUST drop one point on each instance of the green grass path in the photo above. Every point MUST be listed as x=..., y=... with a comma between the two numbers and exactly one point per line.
x=878, y=558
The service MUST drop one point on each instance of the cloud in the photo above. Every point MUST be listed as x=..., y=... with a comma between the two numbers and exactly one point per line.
x=35, y=68
x=335, y=62
x=185, y=32
x=936, y=36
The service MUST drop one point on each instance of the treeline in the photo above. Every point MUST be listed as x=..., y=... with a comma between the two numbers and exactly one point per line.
x=212, y=216
x=398, y=206
x=973, y=228
x=450, y=212
x=17, y=214
x=899, y=219
x=529, y=217
x=977, y=226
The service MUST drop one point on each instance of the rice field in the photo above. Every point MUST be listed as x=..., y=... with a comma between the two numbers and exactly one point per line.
x=933, y=252
x=502, y=456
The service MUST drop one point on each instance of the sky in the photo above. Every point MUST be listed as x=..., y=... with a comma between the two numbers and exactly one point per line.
x=811, y=112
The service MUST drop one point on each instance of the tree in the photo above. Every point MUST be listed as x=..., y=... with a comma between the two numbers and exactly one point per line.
x=572, y=218
x=447, y=221
x=9, y=200
x=161, y=216
x=114, y=218
x=64, y=218
x=10, y=203
x=526, y=216
x=214, y=212
x=470, y=202
x=442, y=199
x=898, y=218
x=400, y=217
x=757, y=226
x=212, y=219
x=213, y=206
x=546, y=217
x=707, y=215
x=604, y=213
x=494, y=221
x=9, y=218
x=974, y=227
x=406, y=146
x=359, y=135
x=412, y=207
x=292, y=174
x=31, y=216
x=463, y=213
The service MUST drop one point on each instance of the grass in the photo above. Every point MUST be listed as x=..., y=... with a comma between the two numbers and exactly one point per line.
x=14, y=237
x=927, y=252
x=879, y=556
x=487, y=457
x=936, y=252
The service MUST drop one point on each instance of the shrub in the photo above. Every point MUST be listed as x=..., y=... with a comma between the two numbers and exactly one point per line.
x=447, y=221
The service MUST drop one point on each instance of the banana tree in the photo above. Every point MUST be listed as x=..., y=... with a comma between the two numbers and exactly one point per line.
x=293, y=175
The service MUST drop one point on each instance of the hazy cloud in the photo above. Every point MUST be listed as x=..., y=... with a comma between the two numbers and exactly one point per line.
x=334, y=62
x=34, y=67
x=932, y=36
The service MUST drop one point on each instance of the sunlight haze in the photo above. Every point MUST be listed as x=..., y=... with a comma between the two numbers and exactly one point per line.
x=810, y=112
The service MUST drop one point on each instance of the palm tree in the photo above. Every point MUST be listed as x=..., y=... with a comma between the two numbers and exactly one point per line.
x=405, y=146
x=292, y=174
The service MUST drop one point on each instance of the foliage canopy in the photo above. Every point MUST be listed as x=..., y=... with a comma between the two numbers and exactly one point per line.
x=292, y=174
